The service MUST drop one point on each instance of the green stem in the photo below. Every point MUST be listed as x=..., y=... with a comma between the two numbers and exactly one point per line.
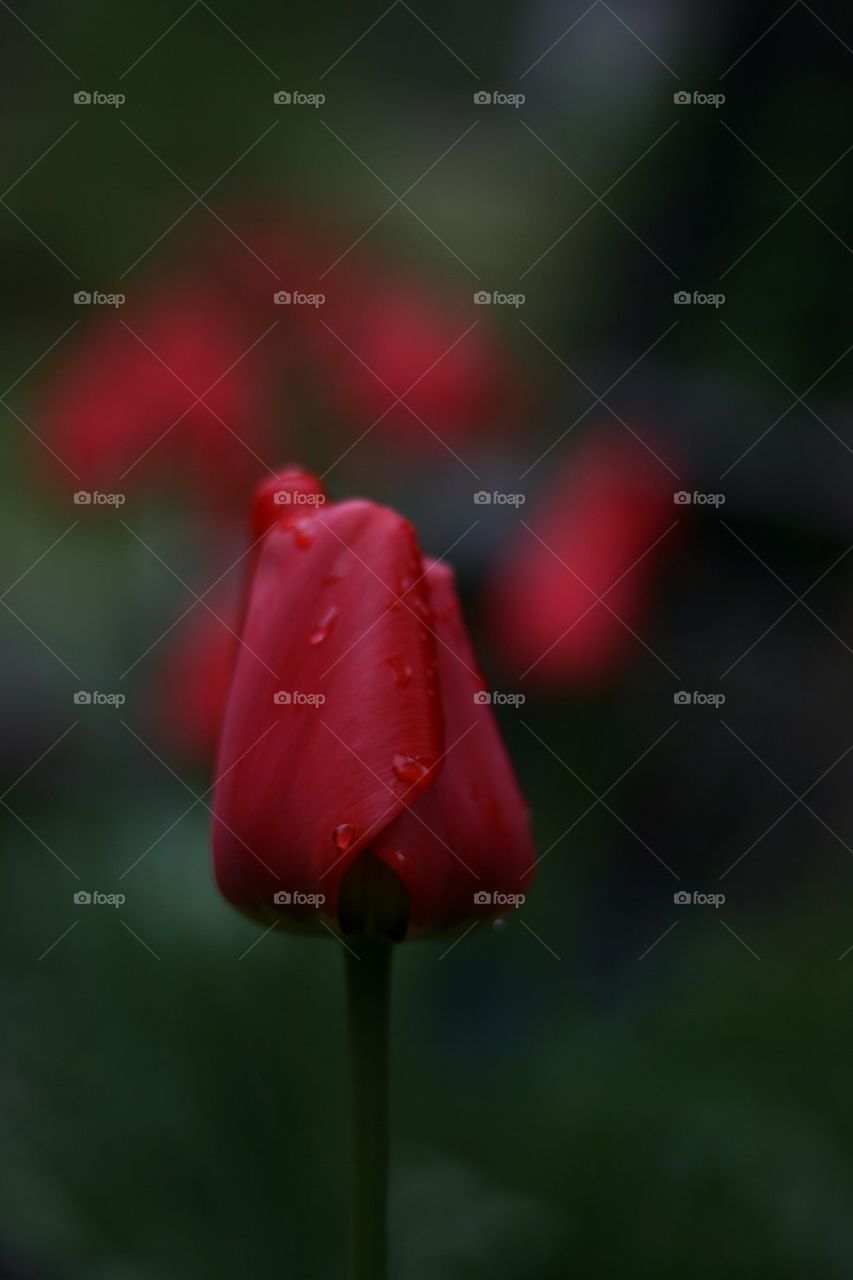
x=368, y=989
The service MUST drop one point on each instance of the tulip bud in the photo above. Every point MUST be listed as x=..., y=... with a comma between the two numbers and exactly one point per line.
x=362, y=784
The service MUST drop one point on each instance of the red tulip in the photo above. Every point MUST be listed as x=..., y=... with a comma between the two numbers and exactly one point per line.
x=578, y=581
x=190, y=686
x=357, y=751
x=125, y=405
x=406, y=340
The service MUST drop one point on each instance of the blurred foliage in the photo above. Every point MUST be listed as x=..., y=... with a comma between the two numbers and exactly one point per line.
x=184, y=1113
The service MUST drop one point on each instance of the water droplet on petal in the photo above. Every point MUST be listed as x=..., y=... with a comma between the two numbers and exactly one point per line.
x=408, y=769
x=399, y=856
x=324, y=626
x=343, y=836
x=301, y=535
x=338, y=567
x=402, y=671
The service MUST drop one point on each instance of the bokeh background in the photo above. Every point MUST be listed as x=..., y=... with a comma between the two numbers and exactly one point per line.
x=615, y=1082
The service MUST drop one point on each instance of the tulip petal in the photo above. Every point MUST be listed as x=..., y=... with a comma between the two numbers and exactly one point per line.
x=285, y=496
x=468, y=834
x=335, y=611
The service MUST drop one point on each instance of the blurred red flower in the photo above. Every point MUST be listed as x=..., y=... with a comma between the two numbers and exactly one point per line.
x=166, y=391
x=199, y=384
x=189, y=686
x=398, y=340
x=381, y=332
x=356, y=739
x=574, y=585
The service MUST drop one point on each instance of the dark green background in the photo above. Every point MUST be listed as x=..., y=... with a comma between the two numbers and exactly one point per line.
x=182, y=1114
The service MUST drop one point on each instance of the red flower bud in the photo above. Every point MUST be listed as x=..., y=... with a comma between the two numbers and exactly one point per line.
x=361, y=783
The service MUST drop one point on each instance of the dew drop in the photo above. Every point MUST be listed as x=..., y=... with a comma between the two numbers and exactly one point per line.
x=324, y=626
x=402, y=671
x=408, y=769
x=301, y=535
x=399, y=856
x=343, y=836
x=497, y=925
x=338, y=568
